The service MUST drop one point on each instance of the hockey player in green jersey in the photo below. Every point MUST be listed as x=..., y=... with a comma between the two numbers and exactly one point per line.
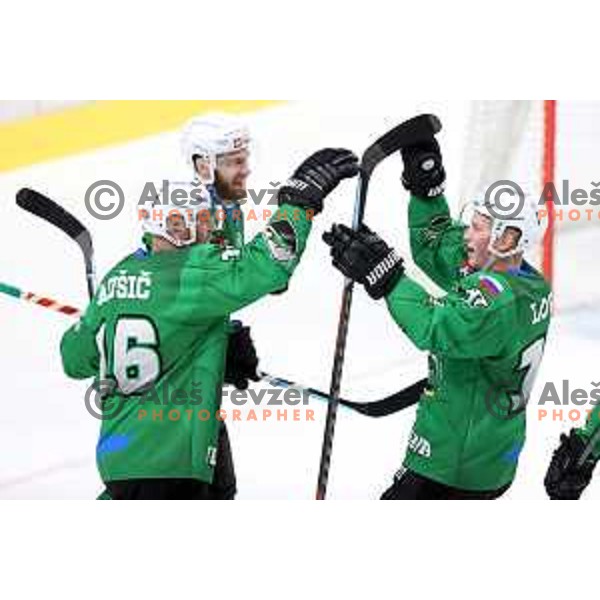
x=217, y=147
x=156, y=332
x=485, y=337
x=573, y=463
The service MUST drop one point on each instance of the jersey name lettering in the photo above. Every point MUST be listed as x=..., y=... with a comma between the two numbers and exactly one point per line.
x=125, y=287
x=541, y=310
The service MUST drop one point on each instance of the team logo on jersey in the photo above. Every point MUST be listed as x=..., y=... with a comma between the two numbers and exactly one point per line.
x=475, y=298
x=281, y=241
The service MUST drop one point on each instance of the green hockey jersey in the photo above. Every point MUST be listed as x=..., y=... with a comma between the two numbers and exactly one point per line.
x=155, y=338
x=486, y=339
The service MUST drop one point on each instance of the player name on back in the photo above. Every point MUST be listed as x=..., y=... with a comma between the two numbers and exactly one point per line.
x=125, y=287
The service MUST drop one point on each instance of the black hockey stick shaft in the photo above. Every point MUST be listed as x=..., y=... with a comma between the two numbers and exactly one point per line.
x=375, y=408
x=43, y=207
x=406, y=134
x=340, y=352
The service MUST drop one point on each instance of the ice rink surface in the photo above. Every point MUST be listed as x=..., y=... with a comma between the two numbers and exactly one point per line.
x=47, y=438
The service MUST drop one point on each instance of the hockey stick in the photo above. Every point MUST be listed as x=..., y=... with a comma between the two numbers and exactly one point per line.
x=41, y=206
x=377, y=408
x=408, y=133
x=43, y=301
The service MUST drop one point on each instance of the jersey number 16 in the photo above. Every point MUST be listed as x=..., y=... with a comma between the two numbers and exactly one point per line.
x=133, y=359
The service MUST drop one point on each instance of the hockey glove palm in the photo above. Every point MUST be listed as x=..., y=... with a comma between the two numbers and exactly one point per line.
x=364, y=257
x=317, y=177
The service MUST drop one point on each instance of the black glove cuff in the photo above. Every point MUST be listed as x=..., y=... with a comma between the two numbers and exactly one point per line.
x=383, y=278
x=424, y=174
x=298, y=193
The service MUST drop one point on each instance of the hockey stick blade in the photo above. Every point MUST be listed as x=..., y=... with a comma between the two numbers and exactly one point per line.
x=410, y=132
x=43, y=207
x=392, y=404
x=384, y=407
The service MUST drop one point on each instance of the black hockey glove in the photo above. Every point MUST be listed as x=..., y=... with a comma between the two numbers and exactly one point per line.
x=424, y=174
x=317, y=177
x=566, y=479
x=242, y=360
x=364, y=257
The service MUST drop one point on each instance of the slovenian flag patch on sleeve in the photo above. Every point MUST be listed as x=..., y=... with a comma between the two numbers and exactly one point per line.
x=491, y=285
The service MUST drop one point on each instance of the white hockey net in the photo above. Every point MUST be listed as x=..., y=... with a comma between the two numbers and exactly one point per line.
x=532, y=142
x=505, y=140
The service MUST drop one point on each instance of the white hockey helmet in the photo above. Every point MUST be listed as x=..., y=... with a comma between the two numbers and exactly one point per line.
x=523, y=215
x=175, y=217
x=209, y=137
